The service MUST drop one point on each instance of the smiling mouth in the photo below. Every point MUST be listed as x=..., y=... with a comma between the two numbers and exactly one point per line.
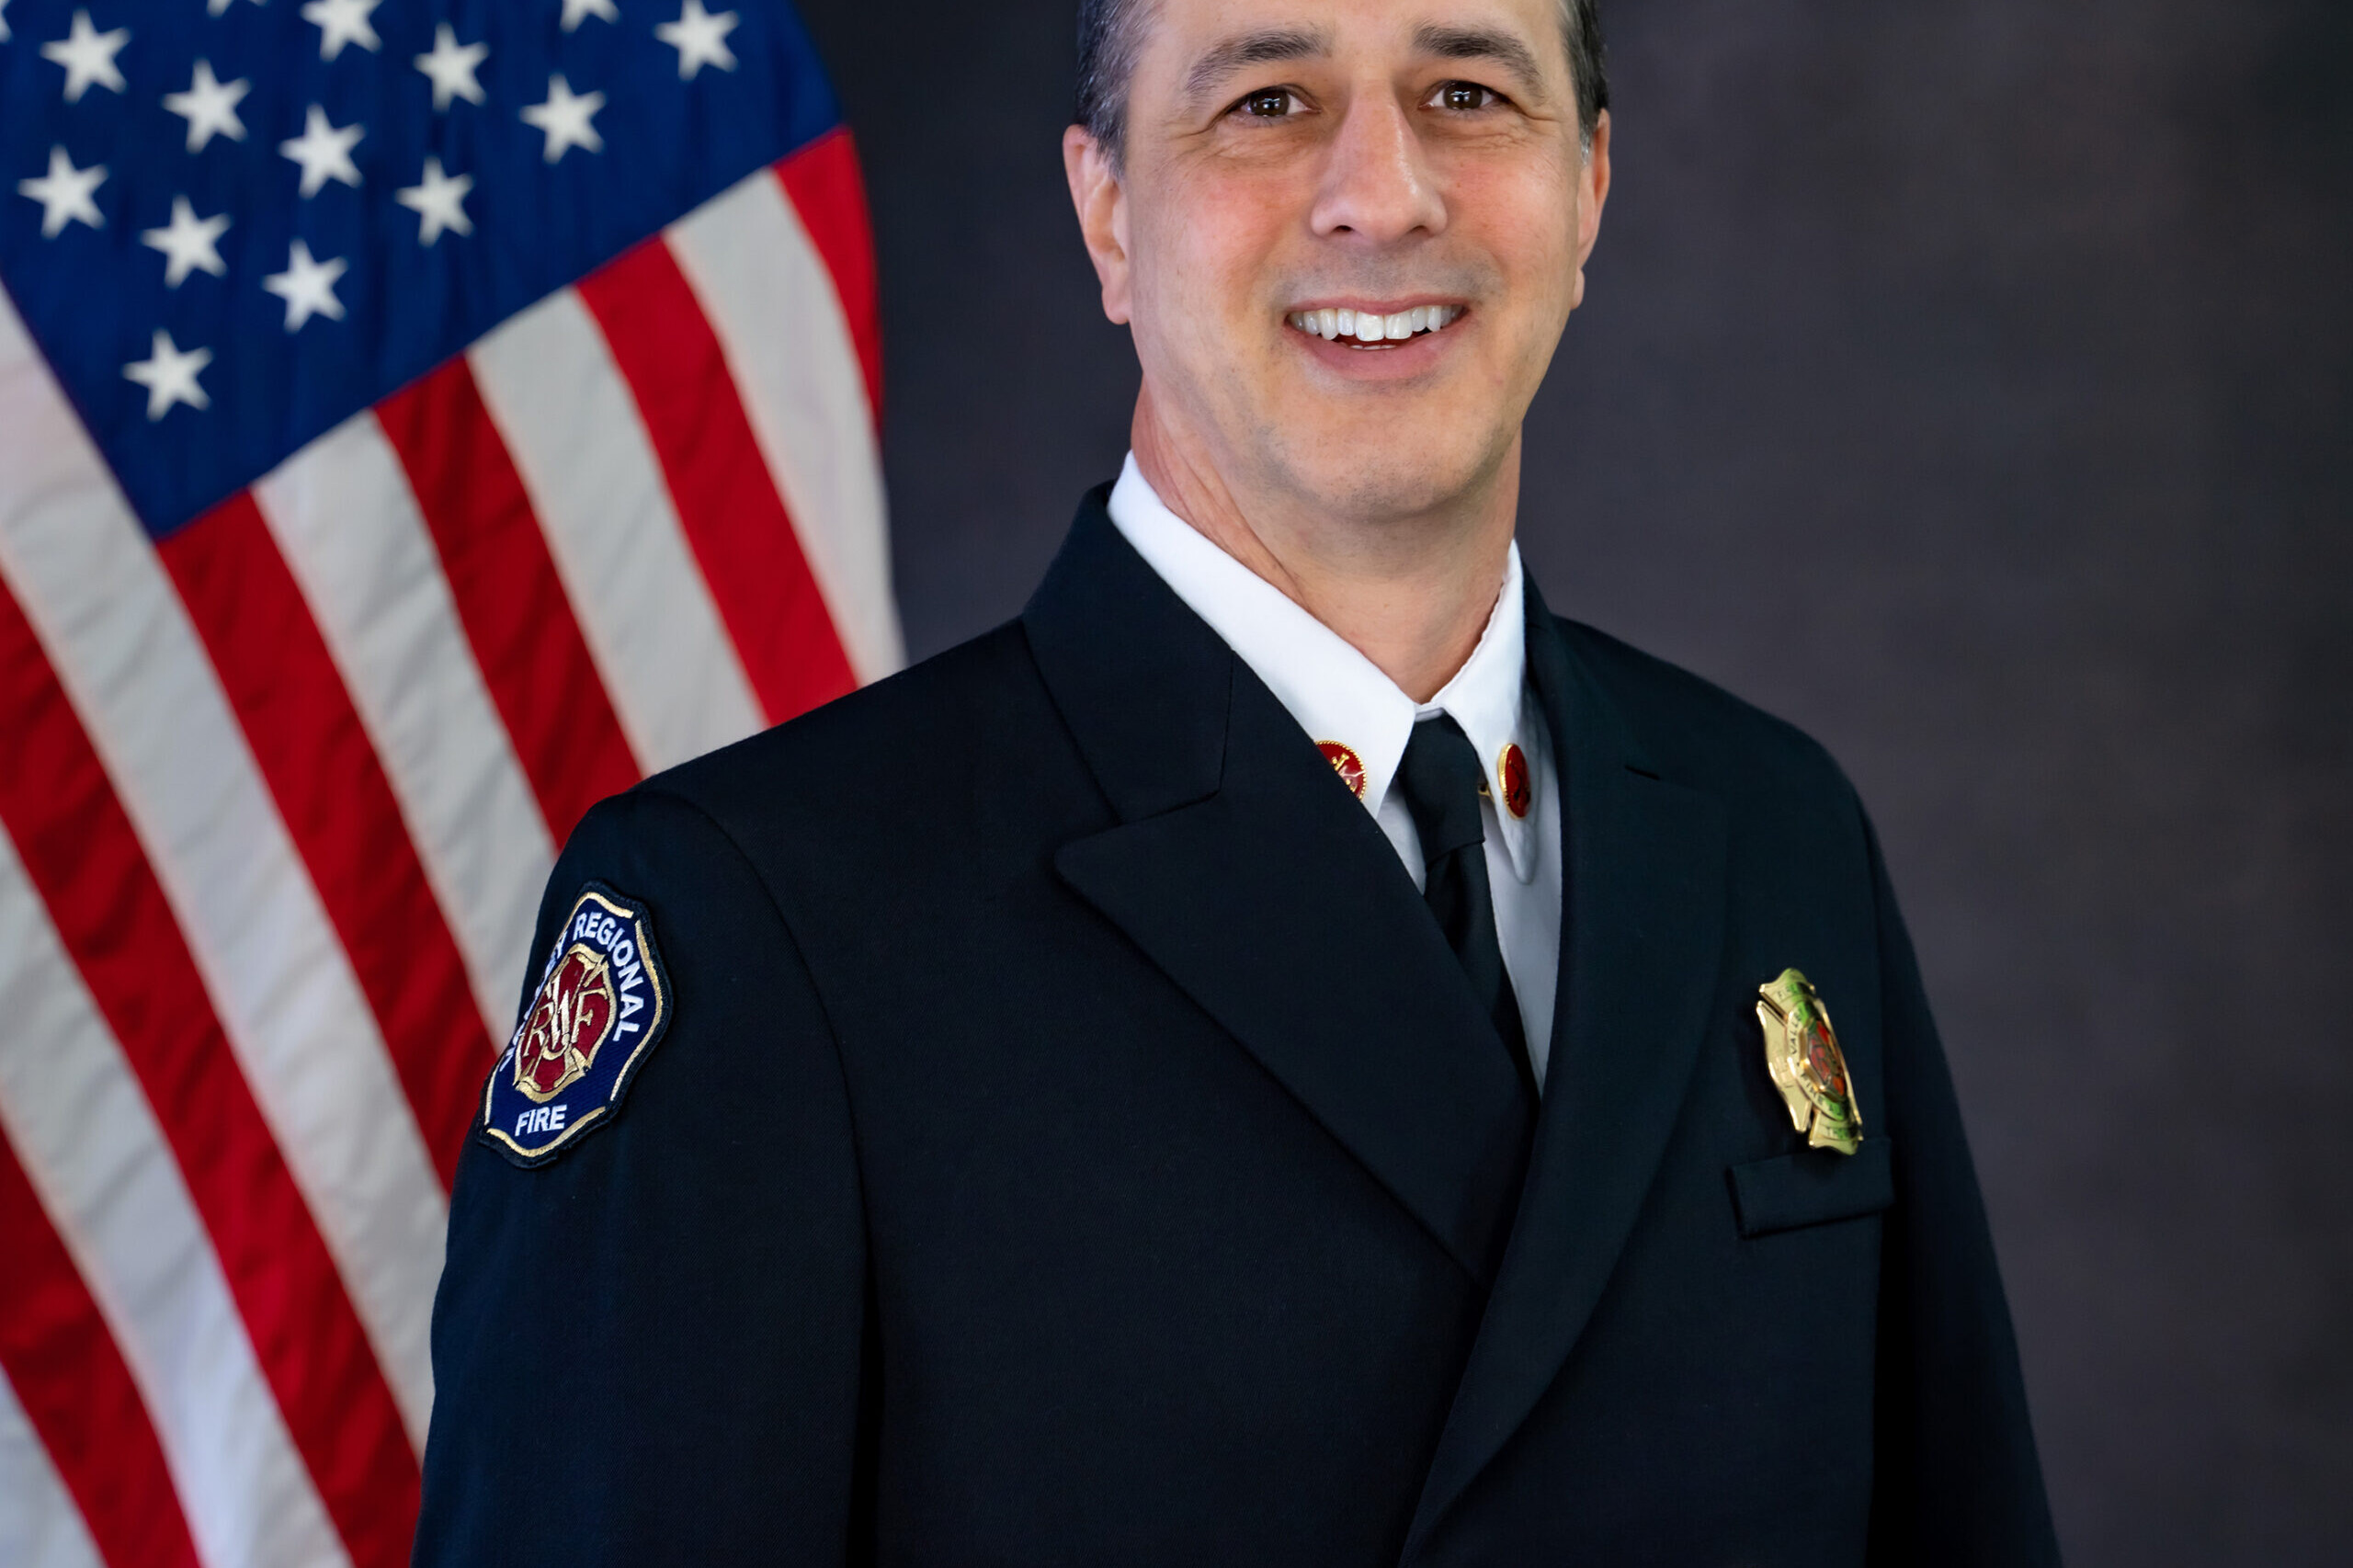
x=1370, y=329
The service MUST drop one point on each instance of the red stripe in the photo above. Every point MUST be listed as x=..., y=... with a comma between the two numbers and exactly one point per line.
x=512, y=604
x=71, y=1379
x=727, y=502
x=823, y=183
x=85, y=859
x=332, y=790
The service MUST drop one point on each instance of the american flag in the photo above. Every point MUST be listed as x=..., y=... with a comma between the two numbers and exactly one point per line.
x=418, y=418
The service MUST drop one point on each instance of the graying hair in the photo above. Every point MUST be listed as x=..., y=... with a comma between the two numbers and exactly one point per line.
x=1110, y=34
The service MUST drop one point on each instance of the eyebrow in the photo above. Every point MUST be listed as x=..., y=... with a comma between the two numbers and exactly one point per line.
x=1483, y=43
x=1262, y=47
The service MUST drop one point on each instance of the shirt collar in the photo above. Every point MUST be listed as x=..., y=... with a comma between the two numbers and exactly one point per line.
x=1334, y=691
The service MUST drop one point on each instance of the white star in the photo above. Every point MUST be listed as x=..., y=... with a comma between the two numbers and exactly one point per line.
x=189, y=244
x=439, y=200
x=64, y=194
x=210, y=106
x=701, y=38
x=340, y=22
x=307, y=286
x=169, y=376
x=452, y=65
x=564, y=118
x=577, y=11
x=324, y=152
x=5, y=34
x=220, y=8
x=87, y=55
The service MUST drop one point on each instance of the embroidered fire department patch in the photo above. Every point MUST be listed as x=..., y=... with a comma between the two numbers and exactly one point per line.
x=602, y=1004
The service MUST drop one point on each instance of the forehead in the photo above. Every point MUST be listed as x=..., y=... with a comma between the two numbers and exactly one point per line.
x=1180, y=36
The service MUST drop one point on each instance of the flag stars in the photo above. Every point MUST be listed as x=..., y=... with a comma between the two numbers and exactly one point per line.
x=307, y=286
x=220, y=8
x=210, y=106
x=324, y=151
x=341, y=22
x=87, y=55
x=5, y=34
x=65, y=194
x=578, y=11
x=452, y=65
x=439, y=201
x=565, y=118
x=701, y=38
x=169, y=376
x=189, y=244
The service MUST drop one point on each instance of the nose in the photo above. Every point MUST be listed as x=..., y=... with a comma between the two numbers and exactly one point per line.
x=1377, y=183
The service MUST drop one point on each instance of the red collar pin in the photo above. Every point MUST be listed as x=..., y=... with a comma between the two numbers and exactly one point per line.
x=1511, y=772
x=1347, y=763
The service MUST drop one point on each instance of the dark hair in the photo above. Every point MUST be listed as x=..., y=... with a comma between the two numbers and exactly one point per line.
x=1110, y=32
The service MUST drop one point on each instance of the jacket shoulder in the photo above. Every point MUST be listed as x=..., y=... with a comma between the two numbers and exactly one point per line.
x=904, y=734
x=1695, y=731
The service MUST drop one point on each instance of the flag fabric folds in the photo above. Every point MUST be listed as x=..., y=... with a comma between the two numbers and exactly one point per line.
x=418, y=418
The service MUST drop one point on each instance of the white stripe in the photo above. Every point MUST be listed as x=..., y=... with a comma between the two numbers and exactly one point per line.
x=137, y=674
x=772, y=303
x=90, y=1144
x=39, y=1526
x=572, y=427
x=348, y=524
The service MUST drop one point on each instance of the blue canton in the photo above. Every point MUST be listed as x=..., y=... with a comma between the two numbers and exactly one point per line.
x=230, y=226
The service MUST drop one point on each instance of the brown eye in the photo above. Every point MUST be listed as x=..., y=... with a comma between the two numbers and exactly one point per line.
x=1272, y=103
x=1463, y=95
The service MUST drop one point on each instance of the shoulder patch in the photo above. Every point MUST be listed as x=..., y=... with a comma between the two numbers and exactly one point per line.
x=602, y=1004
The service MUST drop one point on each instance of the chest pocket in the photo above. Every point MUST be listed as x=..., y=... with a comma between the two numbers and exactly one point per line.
x=1812, y=1187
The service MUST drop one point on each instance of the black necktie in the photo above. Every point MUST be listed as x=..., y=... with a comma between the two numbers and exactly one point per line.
x=1441, y=777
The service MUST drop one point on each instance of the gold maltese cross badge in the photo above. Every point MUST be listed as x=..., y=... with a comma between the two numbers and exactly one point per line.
x=1801, y=1053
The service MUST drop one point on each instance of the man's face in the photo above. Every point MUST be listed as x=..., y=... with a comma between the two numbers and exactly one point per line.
x=1377, y=167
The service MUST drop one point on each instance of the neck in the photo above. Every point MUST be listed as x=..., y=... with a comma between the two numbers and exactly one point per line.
x=1411, y=591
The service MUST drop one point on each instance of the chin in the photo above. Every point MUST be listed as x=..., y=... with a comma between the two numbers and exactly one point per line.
x=1399, y=469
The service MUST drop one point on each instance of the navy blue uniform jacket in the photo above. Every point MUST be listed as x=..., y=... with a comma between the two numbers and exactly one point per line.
x=1074, y=1143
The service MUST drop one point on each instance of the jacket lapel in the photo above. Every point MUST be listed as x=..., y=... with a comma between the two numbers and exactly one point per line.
x=1642, y=944
x=1243, y=869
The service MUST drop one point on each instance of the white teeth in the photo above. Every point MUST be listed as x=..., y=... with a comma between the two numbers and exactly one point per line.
x=1368, y=326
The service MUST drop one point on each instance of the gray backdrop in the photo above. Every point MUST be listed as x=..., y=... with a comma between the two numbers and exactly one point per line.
x=1967, y=381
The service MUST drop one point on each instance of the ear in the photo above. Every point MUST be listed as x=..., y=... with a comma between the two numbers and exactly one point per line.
x=1592, y=193
x=1101, y=202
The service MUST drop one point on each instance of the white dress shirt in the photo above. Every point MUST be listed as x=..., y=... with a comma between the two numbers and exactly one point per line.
x=1338, y=695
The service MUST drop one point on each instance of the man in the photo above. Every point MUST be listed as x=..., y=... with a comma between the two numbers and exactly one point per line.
x=1286, y=1054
